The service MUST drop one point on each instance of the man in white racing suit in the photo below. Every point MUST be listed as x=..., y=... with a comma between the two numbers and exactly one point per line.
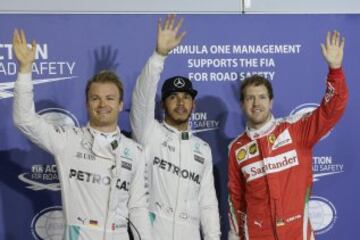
x=182, y=194
x=101, y=171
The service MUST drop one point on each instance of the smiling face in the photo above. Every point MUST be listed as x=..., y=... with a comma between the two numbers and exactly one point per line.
x=256, y=105
x=178, y=107
x=104, y=104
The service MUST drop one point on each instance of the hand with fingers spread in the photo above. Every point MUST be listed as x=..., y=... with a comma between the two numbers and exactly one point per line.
x=168, y=36
x=333, y=49
x=24, y=54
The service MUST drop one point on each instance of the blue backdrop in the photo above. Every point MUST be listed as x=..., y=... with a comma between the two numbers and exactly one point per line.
x=216, y=54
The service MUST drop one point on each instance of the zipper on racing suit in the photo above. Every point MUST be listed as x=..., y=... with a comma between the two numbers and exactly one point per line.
x=177, y=191
x=113, y=179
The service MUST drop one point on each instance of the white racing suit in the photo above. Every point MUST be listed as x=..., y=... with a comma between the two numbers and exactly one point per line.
x=101, y=194
x=182, y=193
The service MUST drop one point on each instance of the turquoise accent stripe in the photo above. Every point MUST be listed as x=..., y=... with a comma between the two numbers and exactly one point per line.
x=74, y=232
x=152, y=217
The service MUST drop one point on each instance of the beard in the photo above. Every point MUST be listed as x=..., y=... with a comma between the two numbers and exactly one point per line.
x=177, y=119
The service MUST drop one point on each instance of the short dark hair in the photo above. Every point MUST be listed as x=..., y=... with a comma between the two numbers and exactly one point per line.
x=105, y=76
x=256, y=80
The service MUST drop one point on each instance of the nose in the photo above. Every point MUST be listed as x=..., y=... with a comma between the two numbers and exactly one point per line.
x=256, y=101
x=180, y=100
x=102, y=103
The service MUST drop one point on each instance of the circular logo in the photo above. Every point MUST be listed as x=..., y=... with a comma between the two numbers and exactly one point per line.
x=322, y=214
x=179, y=83
x=59, y=116
x=253, y=149
x=271, y=138
x=307, y=108
x=241, y=155
x=49, y=224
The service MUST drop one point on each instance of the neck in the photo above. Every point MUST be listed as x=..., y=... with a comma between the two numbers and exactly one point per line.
x=104, y=129
x=181, y=126
x=257, y=126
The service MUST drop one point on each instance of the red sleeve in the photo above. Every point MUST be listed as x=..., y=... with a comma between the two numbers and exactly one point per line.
x=237, y=204
x=311, y=127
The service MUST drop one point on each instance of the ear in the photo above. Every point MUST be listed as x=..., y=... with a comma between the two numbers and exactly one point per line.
x=193, y=106
x=121, y=106
x=271, y=103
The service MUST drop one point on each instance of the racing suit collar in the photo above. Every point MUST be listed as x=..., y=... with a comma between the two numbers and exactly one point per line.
x=104, y=144
x=264, y=130
x=184, y=135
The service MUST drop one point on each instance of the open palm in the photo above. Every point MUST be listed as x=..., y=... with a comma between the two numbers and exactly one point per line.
x=333, y=49
x=168, y=36
x=24, y=54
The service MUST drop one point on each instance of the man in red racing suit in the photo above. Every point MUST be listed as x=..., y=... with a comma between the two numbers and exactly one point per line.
x=270, y=164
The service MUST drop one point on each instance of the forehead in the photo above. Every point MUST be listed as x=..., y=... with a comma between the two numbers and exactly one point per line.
x=106, y=88
x=255, y=90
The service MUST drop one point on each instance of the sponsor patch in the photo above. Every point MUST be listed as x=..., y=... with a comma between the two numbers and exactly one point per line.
x=93, y=223
x=126, y=154
x=271, y=138
x=240, y=155
x=114, y=144
x=253, y=149
x=330, y=91
x=283, y=139
x=115, y=226
x=270, y=165
x=126, y=165
x=86, y=156
x=174, y=169
x=246, y=152
x=199, y=159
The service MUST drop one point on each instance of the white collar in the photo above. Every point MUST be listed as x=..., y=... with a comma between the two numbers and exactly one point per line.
x=264, y=130
x=183, y=134
x=103, y=142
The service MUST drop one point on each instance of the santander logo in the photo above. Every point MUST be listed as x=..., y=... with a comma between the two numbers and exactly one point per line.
x=270, y=165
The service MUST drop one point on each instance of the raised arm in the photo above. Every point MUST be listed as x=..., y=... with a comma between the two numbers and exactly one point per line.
x=142, y=114
x=315, y=125
x=50, y=138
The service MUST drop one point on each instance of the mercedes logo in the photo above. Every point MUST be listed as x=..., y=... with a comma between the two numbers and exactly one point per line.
x=179, y=83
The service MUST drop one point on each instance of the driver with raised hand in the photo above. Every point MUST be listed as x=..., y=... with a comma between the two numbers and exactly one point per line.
x=270, y=164
x=182, y=192
x=101, y=171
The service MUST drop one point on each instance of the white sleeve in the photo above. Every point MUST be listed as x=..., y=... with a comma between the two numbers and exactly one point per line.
x=142, y=113
x=139, y=201
x=210, y=218
x=49, y=137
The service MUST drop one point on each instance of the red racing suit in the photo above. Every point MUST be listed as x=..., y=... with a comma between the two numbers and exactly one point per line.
x=270, y=170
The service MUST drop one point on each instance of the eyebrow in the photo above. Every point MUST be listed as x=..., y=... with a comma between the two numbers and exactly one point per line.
x=97, y=95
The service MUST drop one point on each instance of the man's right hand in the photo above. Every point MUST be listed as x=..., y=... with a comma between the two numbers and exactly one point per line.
x=25, y=55
x=168, y=36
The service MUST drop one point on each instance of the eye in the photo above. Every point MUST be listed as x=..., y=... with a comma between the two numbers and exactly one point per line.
x=93, y=98
x=249, y=98
x=172, y=96
x=187, y=96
